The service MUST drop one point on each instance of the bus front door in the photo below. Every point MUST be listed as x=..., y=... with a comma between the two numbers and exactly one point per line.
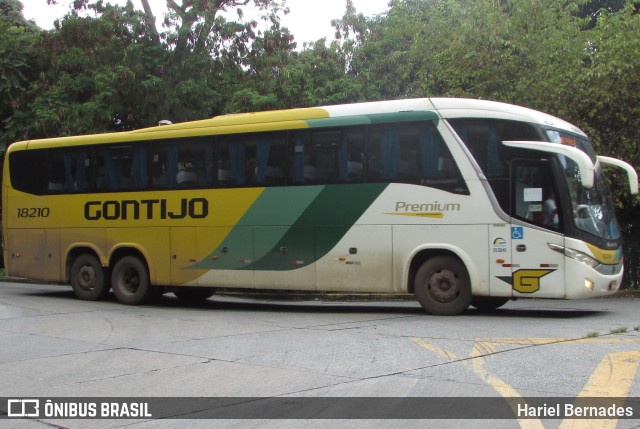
x=537, y=270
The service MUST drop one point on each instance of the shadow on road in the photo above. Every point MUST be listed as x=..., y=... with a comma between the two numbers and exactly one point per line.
x=535, y=309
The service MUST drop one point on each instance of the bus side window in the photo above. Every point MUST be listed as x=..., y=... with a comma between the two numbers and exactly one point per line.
x=184, y=163
x=301, y=169
x=354, y=139
x=28, y=172
x=119, y=168
x=483, y=138
x=56, y=177
x=158, y=169
x=195, y=163
x=328, y=156
x=252, y=160
x=232, y=162
x=164, y=165
x=270, y=155
x=412, y=153
x=327, y=147
x=400, y=154
x=68, y=172
x=383, y=162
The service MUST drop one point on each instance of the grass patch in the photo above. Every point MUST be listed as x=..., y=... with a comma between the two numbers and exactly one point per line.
x=592, y=334
x=619, y=330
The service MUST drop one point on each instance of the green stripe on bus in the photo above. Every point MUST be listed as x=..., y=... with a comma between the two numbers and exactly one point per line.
x=320, y=227
x=277, y=208
x=313, y=221
x=378, y=118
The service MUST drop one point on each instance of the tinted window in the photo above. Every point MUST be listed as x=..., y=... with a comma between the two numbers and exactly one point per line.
x=412, y=153
x=484, y=137
x=252, y=160
x=327, y=156
x=28, y=169
x=182, y=164
x=69, y=171
x=404, y=153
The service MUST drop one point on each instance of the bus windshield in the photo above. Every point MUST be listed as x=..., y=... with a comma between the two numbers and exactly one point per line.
x=593, y=210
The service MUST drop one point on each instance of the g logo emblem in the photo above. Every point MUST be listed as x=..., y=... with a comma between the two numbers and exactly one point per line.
x=528, y=281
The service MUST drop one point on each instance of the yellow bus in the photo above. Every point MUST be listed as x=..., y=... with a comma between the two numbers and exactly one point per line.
x=460, y=202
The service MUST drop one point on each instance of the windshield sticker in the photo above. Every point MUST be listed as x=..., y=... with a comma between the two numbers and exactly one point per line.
x=568, y=141
x=533, y=194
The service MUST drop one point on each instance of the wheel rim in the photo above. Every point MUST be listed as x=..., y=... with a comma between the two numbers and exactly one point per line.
x=444, y=285
x=87, y=278
x=131, y=280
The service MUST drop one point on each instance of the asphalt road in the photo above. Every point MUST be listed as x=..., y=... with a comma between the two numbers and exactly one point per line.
x=53, y=345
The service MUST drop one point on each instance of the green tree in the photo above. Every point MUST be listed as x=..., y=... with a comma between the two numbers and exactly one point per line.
x=378, y=50
x=608, y=94
x=275, y=75
x=90, y=70
x=17, y=64
x=542, y=54
x=117, y=71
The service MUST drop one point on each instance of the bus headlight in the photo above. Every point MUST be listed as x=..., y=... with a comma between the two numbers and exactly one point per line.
x=588, y=284
x=574, y=254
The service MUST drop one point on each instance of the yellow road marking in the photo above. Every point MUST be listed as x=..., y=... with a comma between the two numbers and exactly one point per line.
x=541, y=341
x=612, y=378
x=437, y=350
x=479, y=353
x=477, y=365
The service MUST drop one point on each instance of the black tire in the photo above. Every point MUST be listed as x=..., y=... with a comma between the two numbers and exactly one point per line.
x=194, y=294
x=130, y=282
x=442, y=286
x=488, y=303
x=88, y=278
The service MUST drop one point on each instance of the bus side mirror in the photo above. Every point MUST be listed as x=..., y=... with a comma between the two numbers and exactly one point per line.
x=576, y=155
x=631, y=172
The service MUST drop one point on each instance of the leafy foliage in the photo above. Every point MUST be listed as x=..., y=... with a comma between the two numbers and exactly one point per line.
x=116, y=71
x=549, y=55
x=17, y=40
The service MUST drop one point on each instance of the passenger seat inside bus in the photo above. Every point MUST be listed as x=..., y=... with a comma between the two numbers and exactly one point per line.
x=186, y=176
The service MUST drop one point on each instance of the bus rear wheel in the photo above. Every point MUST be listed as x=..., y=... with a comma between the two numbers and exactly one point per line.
x=194, y=294
x=442, y=286
x=88, y=278
x=130, y=282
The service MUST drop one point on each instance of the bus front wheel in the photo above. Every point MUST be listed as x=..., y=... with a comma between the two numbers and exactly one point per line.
x=88, y=278
x=130, y=281
x=442, y=286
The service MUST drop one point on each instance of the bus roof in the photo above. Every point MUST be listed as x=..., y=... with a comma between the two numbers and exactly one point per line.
x=299, y=119
x=469, y=108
